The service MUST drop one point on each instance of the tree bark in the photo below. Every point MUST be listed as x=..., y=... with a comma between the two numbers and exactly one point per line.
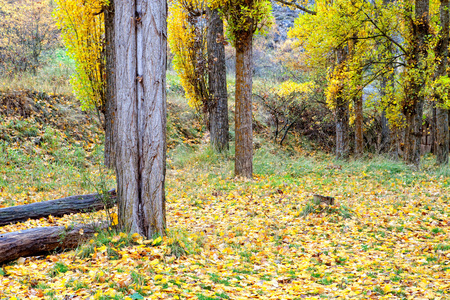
x=141, y=37
x=243, y=117
x=342, y=112
x=56, y=208
x=415, y=97
x=385, y=141
x=110, y=85
x=218, y=102
x=42, y=240
x=442, y=130
x=386, y=137
x=433, y=128
x=359, y=138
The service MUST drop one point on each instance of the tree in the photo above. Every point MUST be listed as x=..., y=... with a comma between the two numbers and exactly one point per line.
x=110, y=83
x=140, y=51
x=88, y=34
x=82, y=28
x=440, y=91
x=217, y=76
x=416, y=79
x=243, y=17
x=342, y=106
x=334, y=36
x=197, y=41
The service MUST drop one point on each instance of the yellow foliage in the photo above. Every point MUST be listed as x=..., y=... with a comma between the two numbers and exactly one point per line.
x=181, y=39
x=290, y=87
x=82, y=28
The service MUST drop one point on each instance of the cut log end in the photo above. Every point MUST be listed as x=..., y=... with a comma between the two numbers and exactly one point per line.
x=319, y=199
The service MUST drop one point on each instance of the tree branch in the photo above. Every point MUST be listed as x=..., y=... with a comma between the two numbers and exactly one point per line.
x=293, y=4
x=385, y=34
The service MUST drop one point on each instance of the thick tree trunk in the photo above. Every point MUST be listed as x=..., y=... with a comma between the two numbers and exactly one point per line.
x=415, y=97
x=110, y=85
x=42, y=240
x=140, y=49
x=359, y=138
x=218, y=102
x=442, y=133
x=243, y=117
x=56, y=208
x=342, y=113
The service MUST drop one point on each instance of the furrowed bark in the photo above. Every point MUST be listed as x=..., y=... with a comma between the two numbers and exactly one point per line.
x=442, y=133
x=141, y=33
x=110, y=85
x=56, y=208
x=243, y=117
x=415, y=96
x=342, y=113
x=218, y=102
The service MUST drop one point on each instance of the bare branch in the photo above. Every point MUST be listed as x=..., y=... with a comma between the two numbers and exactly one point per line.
x=293, y=4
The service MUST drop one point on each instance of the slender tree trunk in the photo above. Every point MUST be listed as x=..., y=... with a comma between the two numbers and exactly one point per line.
x=140, y=49
x=243, y=118
x=110, y=85
x=442, y=133
x=385, y=141
x=359, y=138
x=358, y=104
x=342, y=113
x=433, y=128
x=218, y=102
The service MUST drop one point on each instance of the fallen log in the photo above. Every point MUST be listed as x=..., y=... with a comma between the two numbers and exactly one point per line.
x=56, y=208
x=41, y=240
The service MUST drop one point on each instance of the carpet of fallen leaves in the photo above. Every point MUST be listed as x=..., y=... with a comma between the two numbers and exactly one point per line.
x=387, y=236
x=248, y=239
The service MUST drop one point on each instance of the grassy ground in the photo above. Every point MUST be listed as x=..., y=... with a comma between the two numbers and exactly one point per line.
x=386, y=237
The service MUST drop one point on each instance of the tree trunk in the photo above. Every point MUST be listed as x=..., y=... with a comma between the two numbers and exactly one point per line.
x=442, y=136
x=218, y=102
x=385, y=143
x=110, y=85
x=385, y=139
x=433, y=128
x=243, y=117
x=414, y=107
x=140, y=140
x=358, y=103
x=56, y=208
x=342, y=112
x=359, y=138
x=442, y=133
x=41, y=240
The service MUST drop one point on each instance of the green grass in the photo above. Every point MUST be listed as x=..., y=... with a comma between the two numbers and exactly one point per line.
x=58, y=268
x=110, y=239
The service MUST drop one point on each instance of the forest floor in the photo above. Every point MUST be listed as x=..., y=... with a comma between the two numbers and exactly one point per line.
x=386, y=237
